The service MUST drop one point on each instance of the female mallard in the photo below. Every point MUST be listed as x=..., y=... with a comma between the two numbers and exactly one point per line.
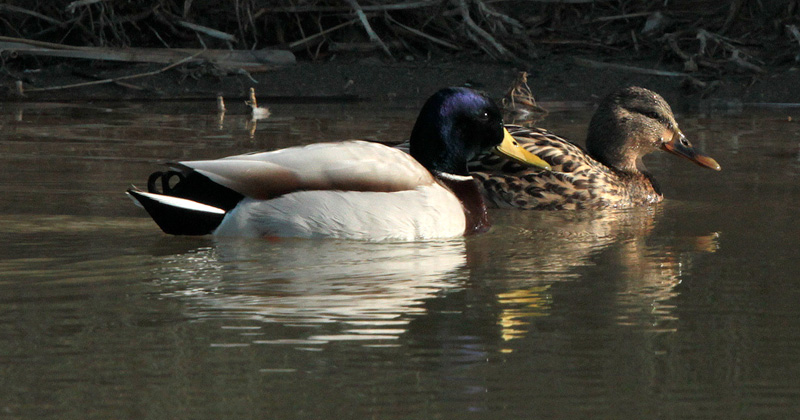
x=627, y=125
x=351, y=189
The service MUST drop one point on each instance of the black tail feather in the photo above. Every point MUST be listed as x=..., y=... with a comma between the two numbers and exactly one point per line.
x=195, y=187
x=176, y=220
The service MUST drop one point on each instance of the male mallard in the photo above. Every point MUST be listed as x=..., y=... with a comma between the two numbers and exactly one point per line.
x=351, y=189
x=627, y=125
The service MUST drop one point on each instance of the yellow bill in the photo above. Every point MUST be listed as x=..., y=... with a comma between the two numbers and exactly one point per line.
x=511, y=148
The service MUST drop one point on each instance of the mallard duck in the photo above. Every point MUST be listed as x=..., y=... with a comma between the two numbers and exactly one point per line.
x=628, y=124
x=352, y=189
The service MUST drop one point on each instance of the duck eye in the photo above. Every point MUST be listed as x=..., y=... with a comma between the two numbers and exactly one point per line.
x=684, y=142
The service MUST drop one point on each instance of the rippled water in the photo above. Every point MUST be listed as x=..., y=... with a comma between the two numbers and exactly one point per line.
x=688, y=309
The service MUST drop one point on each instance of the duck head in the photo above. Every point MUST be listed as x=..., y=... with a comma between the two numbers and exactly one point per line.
x=633, y=122
x=457, y=124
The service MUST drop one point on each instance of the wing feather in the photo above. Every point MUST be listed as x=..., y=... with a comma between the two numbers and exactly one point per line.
x=344, y=166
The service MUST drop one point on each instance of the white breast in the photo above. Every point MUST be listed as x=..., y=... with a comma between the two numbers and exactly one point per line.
x=427, y=212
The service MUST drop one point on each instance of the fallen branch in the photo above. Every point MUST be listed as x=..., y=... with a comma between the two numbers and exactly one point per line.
x=727, y=44
x=359, y=47
x=371, y=33
x=115, y=79
x=737, y=59
x=503, y=18
x=499, y=48
x=16, y=9
x=424, y=35
x=39, y=43
x=733, y=12
x=625, y=16
x=795, y=33
x=310, y=38
x=75, y=4
x=612, y=66
x=208, y=31
x=578, y=42
x=117, y=82
x=252, y=60
x=334, y=9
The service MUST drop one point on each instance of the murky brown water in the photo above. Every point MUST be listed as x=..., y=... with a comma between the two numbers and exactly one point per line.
x=685, y=310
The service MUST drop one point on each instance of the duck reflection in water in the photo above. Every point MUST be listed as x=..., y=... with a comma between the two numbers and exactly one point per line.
x=355, y=290
x=600, y=267
x=611, y=266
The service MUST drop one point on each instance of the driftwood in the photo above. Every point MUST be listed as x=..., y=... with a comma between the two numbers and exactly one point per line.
x=113, y=80
x=258, y=60
x=632, y=69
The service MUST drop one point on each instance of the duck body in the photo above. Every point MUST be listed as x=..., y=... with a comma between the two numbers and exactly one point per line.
x=350, y=193
x=609, y=172
x=348, y=190
x=575, y=181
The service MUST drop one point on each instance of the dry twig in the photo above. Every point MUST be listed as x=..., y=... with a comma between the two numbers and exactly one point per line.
x=75, y=4
x=370, y=32
x=795, y=33
x=424, y=35
x=485, y=40
x=16, y=9
x=310, y=38
x=208, y=31
x=613, y=66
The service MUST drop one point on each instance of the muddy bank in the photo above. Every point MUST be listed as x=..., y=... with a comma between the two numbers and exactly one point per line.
x=692, y=52
x=554, y=78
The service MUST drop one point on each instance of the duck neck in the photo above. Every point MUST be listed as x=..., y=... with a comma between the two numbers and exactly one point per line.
x=616, y=158
x=466, y=189
x=627, y=167
x=609, y=140
x=641, y=185
x=645, y=177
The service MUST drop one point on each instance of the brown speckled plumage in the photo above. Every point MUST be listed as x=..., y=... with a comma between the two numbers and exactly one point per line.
x=576, y=181
x=628, y=124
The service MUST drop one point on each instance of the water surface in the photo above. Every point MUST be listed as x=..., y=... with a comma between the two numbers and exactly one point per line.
x=687, y=309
